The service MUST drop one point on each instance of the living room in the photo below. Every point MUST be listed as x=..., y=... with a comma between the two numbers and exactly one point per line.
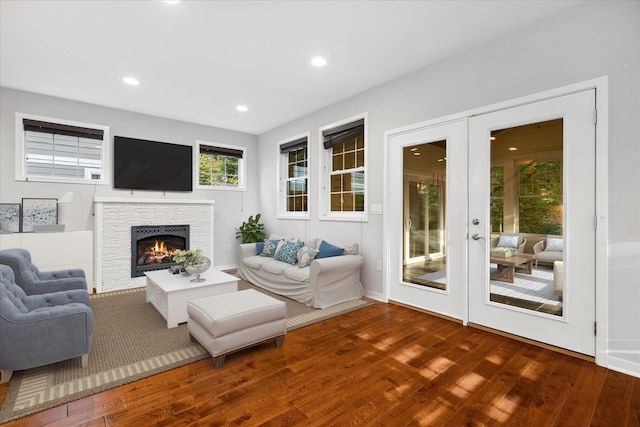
x=586, y=41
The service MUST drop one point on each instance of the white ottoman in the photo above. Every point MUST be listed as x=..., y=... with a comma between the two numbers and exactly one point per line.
x=232, y=321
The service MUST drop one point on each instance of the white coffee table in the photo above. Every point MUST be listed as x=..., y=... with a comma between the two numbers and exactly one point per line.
x=169, y=293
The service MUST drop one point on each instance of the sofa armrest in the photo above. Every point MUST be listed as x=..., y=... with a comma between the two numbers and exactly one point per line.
x=337, y=264
x=246, y=250
x=336, y=279
x=538, y=247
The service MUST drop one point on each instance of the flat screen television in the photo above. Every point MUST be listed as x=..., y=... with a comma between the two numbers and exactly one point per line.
x=139, y=164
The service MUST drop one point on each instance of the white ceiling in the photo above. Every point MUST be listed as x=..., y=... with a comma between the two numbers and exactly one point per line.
x=197, y=60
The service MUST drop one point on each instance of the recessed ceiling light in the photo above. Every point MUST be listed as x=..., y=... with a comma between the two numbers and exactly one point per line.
x=131, y=81
x=242, y=108
x=513, y=148
x=318, y=61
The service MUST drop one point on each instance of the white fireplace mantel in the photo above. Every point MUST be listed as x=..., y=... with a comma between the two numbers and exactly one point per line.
x=114, y=217
x=156, y=201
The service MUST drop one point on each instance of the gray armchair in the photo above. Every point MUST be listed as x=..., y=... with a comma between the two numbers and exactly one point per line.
x=37, y=330
x=34, y=281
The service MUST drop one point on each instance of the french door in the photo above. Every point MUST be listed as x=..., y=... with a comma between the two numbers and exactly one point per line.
x=427, y=200
x=526, y=172
x=532, y=174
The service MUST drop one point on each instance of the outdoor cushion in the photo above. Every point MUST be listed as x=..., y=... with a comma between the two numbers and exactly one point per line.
x=508, y=241
x=554, y=244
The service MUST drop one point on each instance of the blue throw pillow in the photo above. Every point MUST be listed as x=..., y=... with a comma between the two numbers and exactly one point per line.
x=269, y=248
x=288, y=251
x=259, y=248
x=328, y=250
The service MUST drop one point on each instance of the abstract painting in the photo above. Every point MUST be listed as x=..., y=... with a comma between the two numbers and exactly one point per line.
x=38, y=212
x=10, y=217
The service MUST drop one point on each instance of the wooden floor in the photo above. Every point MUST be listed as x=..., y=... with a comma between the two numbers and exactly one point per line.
x=383, y=365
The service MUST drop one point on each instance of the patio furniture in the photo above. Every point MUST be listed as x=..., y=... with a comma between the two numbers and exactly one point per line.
x=549, y=250
x=558, y=278
x=507, y=267
x=35, y=282
x=509, y=240
x=37, y=330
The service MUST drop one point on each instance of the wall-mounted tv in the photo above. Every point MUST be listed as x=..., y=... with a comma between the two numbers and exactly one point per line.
x=139, y=164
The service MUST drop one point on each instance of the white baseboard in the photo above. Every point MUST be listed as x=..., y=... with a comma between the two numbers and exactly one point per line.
x=226, y=267
x=374, y=295
x=627, y=363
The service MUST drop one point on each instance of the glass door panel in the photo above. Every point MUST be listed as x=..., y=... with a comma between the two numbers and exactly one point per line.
x=425, y=171
x=525, y=205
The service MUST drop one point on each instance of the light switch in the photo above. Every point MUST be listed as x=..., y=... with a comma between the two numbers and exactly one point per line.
x=376, y=209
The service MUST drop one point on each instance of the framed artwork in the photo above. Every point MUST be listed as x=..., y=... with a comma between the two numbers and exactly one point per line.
x=38, y=212
x=10, y=217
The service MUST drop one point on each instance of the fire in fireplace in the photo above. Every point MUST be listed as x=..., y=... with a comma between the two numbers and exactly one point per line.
x=153, y=246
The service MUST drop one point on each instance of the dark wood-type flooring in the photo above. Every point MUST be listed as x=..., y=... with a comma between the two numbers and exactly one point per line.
x=383, y=365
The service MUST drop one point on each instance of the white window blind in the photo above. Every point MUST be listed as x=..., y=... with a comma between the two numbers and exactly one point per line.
x=62, y=152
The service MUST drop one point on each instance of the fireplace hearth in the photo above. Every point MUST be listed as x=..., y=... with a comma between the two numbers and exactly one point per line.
x=153, y=246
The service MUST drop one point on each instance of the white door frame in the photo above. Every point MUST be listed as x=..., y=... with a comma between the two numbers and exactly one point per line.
x=601, y=85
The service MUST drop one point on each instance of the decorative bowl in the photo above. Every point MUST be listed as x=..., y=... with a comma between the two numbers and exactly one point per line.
x=198, y=268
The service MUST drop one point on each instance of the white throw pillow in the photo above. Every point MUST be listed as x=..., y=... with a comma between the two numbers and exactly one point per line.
x=555, y=245
x=508, y=242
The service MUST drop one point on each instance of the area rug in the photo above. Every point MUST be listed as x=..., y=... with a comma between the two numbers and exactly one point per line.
x=536, y=287
x=130, y=342
x=437, y=276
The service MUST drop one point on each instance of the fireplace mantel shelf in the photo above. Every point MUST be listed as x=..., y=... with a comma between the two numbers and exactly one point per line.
x=158, y=200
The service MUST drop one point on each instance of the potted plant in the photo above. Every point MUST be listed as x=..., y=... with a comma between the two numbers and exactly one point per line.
x=251, y=230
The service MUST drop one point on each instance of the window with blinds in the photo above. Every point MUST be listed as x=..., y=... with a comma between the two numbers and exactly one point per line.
x=345, y=148
x=294, y=177
x=61, y=151
x=220, y=166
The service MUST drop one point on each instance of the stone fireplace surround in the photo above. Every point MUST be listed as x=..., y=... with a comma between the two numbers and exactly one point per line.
x=114, y=218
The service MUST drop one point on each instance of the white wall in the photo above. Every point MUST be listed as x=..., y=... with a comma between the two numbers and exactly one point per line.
x=229, y=204
x=591, y=40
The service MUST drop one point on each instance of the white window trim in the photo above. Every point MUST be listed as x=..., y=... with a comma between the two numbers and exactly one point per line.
x=283, y=213
x=325, y=213
x=20, y=159
x=242, y=186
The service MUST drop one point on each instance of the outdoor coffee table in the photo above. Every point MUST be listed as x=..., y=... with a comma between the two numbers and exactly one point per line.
x=507, y=267
x=170, y=293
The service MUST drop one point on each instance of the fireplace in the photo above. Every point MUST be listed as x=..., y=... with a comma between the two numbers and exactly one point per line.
x=152, y=246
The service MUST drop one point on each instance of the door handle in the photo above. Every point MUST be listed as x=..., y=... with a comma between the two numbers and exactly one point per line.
x=476, y=236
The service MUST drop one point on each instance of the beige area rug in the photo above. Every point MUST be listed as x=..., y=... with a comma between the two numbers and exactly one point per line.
x=130, y=342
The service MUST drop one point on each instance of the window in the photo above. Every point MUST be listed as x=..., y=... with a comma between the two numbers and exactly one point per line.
x=294, y=178
x=55, y=150
x=344, y=195
x=220, y=166
x=497, y=199
x=540, y=197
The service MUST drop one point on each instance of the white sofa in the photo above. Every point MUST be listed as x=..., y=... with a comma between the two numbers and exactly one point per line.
x=325, y=282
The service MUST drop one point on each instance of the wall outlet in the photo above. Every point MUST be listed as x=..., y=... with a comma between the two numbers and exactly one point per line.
x=379, y=265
